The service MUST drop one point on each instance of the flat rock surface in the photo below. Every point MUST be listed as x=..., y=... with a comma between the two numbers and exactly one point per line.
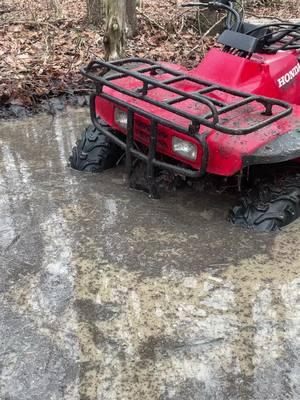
x=108, y=295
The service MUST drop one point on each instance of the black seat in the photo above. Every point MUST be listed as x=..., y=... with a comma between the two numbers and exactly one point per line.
x=258, y=33
x=240, y=41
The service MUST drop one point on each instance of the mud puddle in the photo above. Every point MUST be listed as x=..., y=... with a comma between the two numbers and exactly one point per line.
x=108, y=295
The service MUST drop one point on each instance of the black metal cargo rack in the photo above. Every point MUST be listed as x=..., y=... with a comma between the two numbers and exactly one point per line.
x=210, y=119
x=105, y=74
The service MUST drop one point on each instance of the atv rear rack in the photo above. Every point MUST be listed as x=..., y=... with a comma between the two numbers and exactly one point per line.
x=216, y=108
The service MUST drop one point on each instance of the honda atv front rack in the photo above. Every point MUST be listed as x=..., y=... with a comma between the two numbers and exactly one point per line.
x=215, y=107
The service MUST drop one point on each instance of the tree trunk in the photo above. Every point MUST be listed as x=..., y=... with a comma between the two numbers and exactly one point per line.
x=95, y=11
x=131, y=17
x=114, y=38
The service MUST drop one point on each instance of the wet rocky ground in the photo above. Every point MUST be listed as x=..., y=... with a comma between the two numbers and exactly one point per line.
x=108, y=295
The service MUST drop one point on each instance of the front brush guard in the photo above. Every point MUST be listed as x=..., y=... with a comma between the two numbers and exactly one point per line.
x=150, y=158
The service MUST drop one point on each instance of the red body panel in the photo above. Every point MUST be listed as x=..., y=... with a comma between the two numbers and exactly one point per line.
x=260, y=75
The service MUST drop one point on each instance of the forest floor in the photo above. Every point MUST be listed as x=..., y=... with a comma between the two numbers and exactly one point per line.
x=43, y=47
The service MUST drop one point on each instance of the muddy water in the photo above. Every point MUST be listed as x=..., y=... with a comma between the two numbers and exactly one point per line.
x=108, y=295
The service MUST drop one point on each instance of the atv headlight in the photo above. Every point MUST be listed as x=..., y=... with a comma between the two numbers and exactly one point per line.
x=184, y=148
x=121, y=118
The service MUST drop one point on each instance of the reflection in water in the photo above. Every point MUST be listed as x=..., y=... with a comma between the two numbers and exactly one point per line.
x=202, y=334
x=14, y=173
x=110, y=218
x=123, y=298
x=61, y=139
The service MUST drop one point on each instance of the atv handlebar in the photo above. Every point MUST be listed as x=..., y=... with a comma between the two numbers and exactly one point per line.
x=221, y=5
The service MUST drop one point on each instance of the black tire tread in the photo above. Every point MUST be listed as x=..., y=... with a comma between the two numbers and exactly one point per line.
x=269, y=207
x=94, y=152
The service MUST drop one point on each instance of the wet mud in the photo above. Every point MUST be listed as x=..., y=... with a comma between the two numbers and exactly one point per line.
x=108, y=295
x=51, y=106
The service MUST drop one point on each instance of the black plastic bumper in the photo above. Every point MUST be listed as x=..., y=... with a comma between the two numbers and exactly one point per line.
x=286, y=147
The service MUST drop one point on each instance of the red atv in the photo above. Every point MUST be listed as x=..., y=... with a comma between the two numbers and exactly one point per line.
x=239, y=108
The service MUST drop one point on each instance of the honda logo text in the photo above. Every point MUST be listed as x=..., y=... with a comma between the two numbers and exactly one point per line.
x=289, y=76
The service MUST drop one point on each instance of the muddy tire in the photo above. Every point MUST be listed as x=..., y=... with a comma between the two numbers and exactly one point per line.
x=269, y=207
x=94, y=152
